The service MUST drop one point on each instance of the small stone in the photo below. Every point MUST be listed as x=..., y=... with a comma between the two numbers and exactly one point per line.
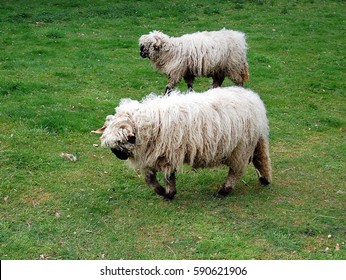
x=69, y=157
x=329, y=236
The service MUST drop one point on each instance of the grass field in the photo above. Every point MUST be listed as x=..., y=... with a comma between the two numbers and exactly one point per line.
x=64, y=66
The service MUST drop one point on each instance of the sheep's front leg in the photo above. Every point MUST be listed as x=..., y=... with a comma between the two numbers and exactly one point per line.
x=172, y=81
x=170, y=186
x=168, y=90
x=151, y=180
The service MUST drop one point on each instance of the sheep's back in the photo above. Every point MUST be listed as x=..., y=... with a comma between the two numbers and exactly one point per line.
x=206, y=53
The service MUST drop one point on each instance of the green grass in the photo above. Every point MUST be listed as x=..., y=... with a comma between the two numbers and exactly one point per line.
x=64, y=66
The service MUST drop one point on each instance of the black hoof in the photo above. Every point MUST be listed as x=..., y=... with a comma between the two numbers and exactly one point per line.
x=168, y=90
x=264, y=181
x=221, y=193
x=160, y=191
x=219, y=196
x=169, y=196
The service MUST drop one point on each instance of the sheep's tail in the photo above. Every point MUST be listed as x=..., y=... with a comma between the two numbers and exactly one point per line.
x=245, y=75
x=261, y=161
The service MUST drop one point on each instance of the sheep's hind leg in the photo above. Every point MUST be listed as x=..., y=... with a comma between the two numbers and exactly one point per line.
x=189, y=79
x=229, y=185
x=217, y=81
x=151, y=180
x=170, y=186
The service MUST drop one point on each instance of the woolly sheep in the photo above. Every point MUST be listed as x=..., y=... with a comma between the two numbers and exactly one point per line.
x=161, y=133
x=215, y=54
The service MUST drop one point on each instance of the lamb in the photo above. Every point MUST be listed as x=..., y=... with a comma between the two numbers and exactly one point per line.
x=223, y=126
x=215, y=54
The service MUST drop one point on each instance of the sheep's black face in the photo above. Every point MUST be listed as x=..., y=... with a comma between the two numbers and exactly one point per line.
x=118, y=134
x=144, y=52
x=124, y=150
x=121, y=154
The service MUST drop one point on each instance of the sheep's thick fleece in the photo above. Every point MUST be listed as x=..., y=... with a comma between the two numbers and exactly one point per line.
x=216, y=54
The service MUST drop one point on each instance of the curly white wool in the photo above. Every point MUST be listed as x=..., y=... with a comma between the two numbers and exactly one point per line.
x=202, y=130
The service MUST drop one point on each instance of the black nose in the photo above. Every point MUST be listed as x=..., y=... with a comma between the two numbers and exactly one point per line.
x=120, y=154
x=143, y=53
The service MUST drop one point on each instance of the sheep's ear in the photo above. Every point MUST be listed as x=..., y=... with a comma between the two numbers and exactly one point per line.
x=100, y=130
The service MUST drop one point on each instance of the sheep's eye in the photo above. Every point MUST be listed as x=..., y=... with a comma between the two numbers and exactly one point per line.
x=132, y=140
x=156, y=48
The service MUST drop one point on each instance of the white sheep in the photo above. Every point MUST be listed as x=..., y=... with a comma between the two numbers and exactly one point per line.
x=161, y=133
x=216, y=54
